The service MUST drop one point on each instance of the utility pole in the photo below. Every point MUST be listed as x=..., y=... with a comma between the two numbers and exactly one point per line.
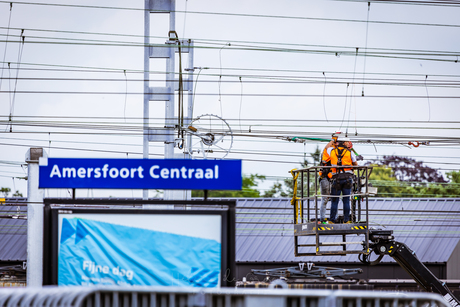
x=166, y=134
x=34, y=220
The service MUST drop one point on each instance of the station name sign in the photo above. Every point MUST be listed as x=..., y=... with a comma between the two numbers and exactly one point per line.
x=179, y=174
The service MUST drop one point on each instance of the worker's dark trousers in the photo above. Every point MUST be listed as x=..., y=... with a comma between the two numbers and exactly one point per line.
x=325, y=190
x=342, y=186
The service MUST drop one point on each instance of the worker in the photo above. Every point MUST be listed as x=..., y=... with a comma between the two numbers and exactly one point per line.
x=325, y=181
x=342, y=178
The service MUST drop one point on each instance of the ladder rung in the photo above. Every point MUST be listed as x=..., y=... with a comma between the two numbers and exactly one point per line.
x=335, y=253
x=338, y=243
x=329, y=244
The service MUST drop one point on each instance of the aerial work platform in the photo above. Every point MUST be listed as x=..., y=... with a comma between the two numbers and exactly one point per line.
x=308, y=229
x=330, y=239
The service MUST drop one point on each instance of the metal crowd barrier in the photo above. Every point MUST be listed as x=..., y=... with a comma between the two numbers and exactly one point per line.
x=199, y=297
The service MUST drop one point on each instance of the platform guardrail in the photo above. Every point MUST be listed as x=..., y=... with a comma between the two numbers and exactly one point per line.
x=199, y=297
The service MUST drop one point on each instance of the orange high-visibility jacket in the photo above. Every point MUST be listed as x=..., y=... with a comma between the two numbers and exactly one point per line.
x=346, y=159
x=325, y=157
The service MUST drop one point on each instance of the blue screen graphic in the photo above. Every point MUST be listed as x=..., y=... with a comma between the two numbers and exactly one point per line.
x=99, y=253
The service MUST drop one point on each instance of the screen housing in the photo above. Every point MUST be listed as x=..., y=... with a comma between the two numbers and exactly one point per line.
x=54, y=208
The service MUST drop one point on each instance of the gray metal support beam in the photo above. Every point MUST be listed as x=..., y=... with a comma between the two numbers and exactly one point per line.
x=145, y=150
x=190, y=84
x=34, y=220
x=166, y=133
x=170, y=120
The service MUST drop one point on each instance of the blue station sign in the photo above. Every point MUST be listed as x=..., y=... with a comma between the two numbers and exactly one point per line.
x=179, y=174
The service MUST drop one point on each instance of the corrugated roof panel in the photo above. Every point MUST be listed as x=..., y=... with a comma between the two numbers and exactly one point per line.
x=430, y=227
x=13, y=231
x=264, y=229
x=428, y=231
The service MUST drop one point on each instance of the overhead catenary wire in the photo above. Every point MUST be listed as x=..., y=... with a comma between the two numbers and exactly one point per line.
x=236, y=151
x=344, y=107
x=450, y=97
x=220, y=78
x=6, y=45
x=126, y=94
x=353, y=92
x=329, y=72
x=445, y=3
x=388, y=53
x=286, y=79
x=324, y=97
x=240, y=14
x=271, y=130
x=240, y=135
x=370, y=138
x=160, y=155
x=267, y=80
x=268, y=119
x=218, y=43
x=365, y=45
x=185, y=18
x=73, y=68
x=241, y=102
x=248, y=79
x=428, y=100
x=422, y=56
x=21, y=47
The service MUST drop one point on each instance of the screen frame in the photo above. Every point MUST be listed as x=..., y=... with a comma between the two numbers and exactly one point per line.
x=56, y=207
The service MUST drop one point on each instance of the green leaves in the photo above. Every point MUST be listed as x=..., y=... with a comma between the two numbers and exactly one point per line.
x=388, y=185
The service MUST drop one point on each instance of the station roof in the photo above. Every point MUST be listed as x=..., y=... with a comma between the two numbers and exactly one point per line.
x=430, y=227
x=264, y=229
x=13, y=229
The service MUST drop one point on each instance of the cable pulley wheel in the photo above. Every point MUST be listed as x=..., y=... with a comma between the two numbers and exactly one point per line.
x=209, y=137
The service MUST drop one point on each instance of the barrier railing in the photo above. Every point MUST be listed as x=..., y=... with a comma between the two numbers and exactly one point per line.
x=308, y=225
x=206, y=297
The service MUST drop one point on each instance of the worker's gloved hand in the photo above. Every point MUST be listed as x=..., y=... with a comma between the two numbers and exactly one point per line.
x=359, y=158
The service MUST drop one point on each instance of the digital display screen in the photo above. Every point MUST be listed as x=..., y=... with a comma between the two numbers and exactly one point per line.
x=148, y=249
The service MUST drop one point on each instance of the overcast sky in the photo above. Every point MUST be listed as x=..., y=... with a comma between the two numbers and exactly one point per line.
x=274, y=69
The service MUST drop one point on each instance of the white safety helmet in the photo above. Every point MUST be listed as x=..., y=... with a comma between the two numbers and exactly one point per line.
x=343, y=139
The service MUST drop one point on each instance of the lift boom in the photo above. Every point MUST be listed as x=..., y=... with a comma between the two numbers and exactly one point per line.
x=383, y=243
x=380, y=242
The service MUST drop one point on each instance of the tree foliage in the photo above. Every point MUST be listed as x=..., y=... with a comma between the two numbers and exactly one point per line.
x=394, y=176
x=405, y=177
x=408, y=169
x=277, y=190
x=286, y=188
x=5, y=191
x=17, y=194
x=249, y=190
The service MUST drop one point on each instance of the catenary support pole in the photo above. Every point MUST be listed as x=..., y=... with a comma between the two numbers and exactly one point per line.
x=34, y=220
x=156, y=95
x=145, y=193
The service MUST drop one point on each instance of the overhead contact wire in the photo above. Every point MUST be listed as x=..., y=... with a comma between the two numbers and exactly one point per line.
x=365, y=45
